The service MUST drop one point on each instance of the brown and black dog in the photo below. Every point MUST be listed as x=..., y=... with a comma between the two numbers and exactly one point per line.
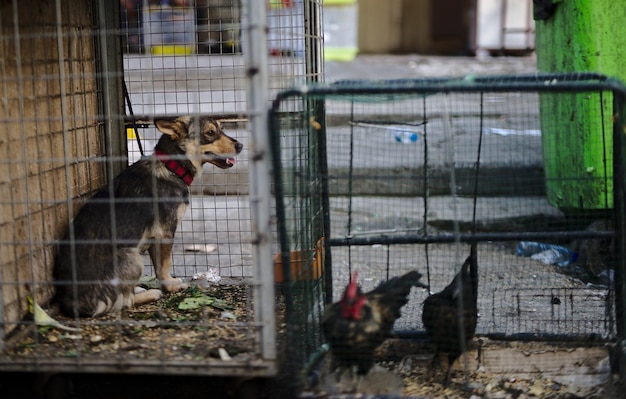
x=98, y=263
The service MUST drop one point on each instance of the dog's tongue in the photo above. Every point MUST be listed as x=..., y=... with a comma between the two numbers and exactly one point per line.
x=230, y=161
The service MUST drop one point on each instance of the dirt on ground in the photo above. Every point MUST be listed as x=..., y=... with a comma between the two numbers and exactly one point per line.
x=195, y=324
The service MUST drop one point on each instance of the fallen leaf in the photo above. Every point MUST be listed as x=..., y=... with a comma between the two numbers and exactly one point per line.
x=150, y=282
x=221, y=304
x=196, y=302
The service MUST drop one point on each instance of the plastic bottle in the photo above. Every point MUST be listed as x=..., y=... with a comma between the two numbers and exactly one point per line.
x=549, y=254
x=405, y=137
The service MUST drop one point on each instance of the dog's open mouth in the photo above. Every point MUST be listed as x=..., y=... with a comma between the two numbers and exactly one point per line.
x=220, y=161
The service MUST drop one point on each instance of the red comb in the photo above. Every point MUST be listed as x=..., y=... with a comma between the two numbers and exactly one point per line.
x=352, y=287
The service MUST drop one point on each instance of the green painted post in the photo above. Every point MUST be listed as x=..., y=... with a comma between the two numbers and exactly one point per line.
x=580, y=36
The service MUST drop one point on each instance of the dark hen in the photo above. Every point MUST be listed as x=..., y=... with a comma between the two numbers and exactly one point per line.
x=357, y=324
x=443, y=319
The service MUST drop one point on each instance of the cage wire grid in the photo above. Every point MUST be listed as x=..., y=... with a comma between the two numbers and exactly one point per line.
x=391, y=207
x=215, y=85
x=67, y=131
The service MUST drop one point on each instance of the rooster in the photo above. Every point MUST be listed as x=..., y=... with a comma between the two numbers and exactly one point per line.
x=443, y=319
x=357, y=324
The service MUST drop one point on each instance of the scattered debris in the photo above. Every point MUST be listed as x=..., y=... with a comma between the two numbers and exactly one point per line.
x=211, y=275
x=228, y=315
x=223, y=354
x=499, y=374
x=96, y=338
x=206, y=248
x=43, y=319
x=188, y=325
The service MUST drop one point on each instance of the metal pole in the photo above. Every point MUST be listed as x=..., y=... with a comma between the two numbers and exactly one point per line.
x=110, y=79
x=619, y=208
x=255, y=55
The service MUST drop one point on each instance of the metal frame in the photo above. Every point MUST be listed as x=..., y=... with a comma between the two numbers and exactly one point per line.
x=575, y=82
x=257, y=75
x=110, y=79
x=110, y=121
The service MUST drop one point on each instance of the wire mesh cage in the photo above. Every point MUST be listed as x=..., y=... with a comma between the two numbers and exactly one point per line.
x=397, y=176
x=299, y=189
x=77, y=112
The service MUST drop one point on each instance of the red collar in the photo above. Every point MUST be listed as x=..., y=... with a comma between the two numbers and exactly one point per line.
x=174, y=166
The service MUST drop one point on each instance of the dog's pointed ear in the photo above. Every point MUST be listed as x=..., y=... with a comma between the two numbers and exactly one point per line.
x=173, y=127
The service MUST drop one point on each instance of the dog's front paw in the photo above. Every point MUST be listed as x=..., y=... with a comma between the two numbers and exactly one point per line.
x=174, y=284
x=144, y=296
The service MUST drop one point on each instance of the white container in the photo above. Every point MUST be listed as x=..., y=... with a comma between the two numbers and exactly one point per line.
x=169, y=30
x=341, y=30
x=505, y=25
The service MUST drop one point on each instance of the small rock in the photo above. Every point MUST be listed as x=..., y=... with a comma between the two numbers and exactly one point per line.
x=492, y=385
x=537, y=389
x=95, y=339
x=475, y=387
x=555, y=386
x=499, y=395
x=70, y=336
x=228, y=315
x=223, y=354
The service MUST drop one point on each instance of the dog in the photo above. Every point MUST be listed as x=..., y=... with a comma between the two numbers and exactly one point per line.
x=98, y=262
